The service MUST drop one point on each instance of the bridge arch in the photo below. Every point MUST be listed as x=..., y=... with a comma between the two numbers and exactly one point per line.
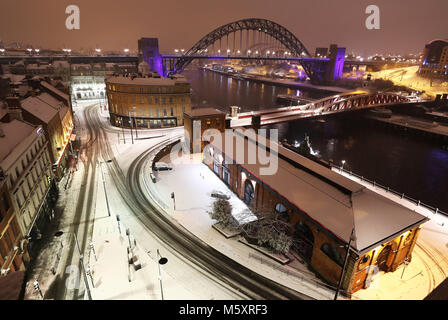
x=271, y=28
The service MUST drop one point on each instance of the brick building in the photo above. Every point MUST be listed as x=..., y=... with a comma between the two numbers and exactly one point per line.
x=324, y=209
x=201, y=119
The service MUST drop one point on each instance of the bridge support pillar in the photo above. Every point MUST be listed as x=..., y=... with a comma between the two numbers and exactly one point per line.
x=148, y=51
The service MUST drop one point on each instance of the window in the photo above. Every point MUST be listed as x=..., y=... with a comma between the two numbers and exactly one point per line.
x=5, y=204
x=333, y=253
x=164, y=112
x=280, y=208
x=172, y=112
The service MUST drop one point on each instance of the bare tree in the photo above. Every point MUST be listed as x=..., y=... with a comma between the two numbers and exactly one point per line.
x=270, y=230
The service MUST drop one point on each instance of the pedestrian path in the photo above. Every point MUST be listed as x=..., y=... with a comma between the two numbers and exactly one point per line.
x=111, y=276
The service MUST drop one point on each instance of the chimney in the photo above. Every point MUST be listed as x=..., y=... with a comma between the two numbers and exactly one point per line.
x=13, y=102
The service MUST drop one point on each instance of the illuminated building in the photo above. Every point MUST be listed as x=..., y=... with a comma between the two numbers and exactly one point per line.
x=324, y=209
x=56, y=119
x=203, y=119
x=25, y=170
x=150, y=101
x=435, y=59
x=11, y=254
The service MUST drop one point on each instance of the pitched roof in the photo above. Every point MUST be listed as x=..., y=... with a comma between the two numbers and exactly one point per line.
x=15, y=132
x=43, y=106
x=335, y=202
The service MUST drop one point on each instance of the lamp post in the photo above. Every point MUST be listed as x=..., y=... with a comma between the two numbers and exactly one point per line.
x=161, y=261
x=342, y=167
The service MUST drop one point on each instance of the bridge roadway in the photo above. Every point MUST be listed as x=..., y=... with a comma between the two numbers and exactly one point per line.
x=74, y=58
x=329, y=105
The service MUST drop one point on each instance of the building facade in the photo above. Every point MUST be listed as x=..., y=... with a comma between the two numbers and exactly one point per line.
x=324, y=210
x=26, y=166
x=148, y=101
x=12, y=254
x=197, y=121
x=435, y=60
x=56, y=120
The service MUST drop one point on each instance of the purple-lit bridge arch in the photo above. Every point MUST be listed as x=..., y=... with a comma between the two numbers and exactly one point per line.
x=315, y=68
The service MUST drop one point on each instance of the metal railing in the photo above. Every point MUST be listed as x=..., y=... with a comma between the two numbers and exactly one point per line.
x=389, y=190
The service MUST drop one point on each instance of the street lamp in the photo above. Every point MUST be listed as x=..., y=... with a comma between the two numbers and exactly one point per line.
x=126, y=50
x=342, y=167
x=176, y=50
x=162, y=261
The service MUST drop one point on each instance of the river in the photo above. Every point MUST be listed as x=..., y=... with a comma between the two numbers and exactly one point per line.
x=408, y=164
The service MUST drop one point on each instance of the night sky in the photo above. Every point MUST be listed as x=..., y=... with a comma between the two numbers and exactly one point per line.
x=406, y=25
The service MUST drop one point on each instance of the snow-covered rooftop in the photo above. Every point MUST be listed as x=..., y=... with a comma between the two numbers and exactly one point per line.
x=56, y=91
x=15, y=132
x=337, y=203
x=43, y=106
x=146, y=81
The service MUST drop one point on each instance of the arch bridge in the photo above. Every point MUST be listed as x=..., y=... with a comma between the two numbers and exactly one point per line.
x=244, y=34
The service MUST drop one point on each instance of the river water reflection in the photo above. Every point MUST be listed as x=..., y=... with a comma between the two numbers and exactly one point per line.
x=408, y=164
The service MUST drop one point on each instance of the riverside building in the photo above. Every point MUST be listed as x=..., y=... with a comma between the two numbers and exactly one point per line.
x=330, y=215
x=435, y=60
x=148, y=101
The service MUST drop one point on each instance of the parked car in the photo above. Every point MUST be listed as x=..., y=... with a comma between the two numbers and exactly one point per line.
x=220, y=195
x=162, y=166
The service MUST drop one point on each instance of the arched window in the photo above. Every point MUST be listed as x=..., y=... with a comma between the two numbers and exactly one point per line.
x=249, y=194
x=225, y=172
x=333, y=253
x=280, y=208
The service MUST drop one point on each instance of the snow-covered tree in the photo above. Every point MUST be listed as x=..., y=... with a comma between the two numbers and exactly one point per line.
x=270, y=230
x=222, y=212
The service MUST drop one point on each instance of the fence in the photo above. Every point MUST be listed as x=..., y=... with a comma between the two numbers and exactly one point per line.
x=389, y=190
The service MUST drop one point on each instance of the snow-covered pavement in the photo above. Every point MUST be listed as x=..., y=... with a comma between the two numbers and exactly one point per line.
x=192, y=183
